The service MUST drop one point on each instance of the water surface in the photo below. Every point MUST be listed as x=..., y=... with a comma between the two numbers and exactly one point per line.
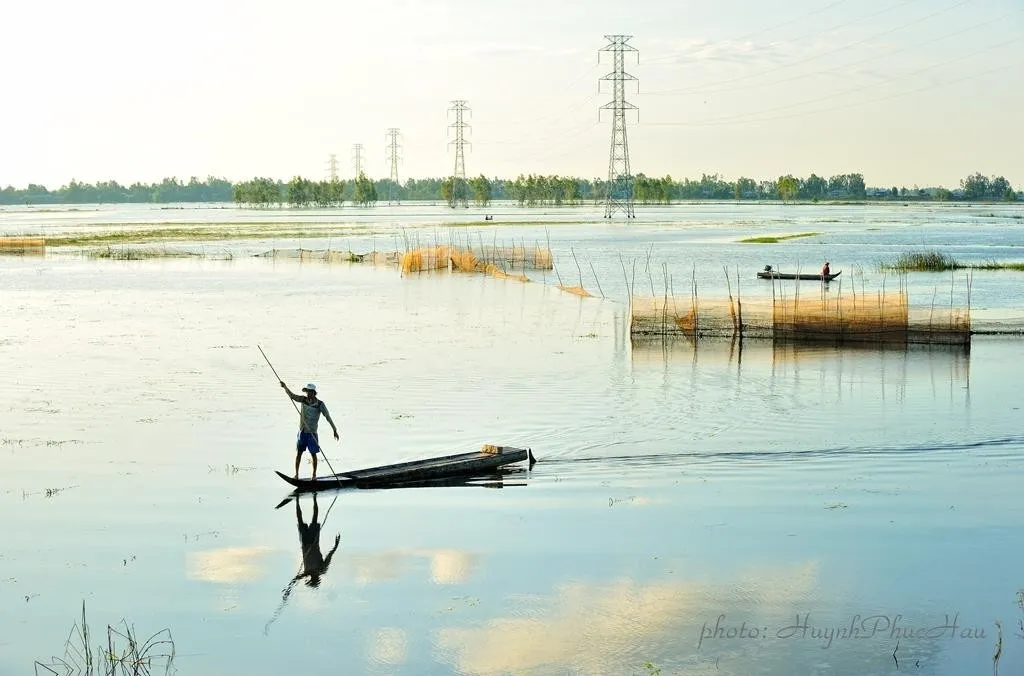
x=680, y=490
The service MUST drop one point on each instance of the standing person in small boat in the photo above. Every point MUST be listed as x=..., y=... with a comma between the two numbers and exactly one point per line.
x=309, y=417
x=825, y=270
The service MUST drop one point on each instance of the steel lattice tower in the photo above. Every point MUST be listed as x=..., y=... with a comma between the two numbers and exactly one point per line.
x=619, y=194
x=460, y=191
x=393, y=158
x=357, y=158
x=332, y=167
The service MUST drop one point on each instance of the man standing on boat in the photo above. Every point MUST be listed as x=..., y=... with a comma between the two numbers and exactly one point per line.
x=309, y=417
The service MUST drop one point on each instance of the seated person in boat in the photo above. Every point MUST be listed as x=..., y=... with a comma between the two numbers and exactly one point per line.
x=309, y=417
x=825, y=270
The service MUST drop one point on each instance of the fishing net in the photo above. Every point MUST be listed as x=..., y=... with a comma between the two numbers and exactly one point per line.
x=333, y=256
x=500, y=262
x=22, y=246
x=817, y=317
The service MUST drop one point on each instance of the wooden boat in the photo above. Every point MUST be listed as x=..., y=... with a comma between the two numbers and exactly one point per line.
x=444, y=467
x=768, y=273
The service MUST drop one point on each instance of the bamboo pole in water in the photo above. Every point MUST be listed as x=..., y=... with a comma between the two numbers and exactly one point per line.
x=629, y=294
x=739, y=306
x=596, y=280
x=732, y=311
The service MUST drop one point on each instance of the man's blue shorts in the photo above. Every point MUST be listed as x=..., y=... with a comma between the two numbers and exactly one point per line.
x=307, y=441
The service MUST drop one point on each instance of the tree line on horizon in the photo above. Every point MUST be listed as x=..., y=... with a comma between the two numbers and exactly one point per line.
x=526, y=190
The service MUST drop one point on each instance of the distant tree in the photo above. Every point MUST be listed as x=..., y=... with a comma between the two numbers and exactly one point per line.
x=298, y=192
x=365, y=192
x=746, y=188
x=788, y=188
x=943, y=195
x=975, y=187
x=481, y=189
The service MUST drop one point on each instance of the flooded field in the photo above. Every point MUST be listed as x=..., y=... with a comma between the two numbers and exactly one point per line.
x=715, y=508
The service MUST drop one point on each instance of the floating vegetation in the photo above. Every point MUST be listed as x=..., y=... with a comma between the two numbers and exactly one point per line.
x=120, y=652
x=775, y=239
x=126, y=253
x=936, y=261
x=996, y=265
x=199, y=231
x=48, y=493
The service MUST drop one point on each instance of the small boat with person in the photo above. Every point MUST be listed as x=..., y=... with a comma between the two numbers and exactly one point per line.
x=477, y=463
x=769, y=273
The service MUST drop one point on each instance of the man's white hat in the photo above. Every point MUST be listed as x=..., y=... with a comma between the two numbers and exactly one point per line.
x=310, y=387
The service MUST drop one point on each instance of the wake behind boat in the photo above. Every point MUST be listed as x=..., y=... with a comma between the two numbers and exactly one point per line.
x=462, y=464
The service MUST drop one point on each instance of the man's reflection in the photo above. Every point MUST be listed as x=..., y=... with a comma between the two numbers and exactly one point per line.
x=313, y=562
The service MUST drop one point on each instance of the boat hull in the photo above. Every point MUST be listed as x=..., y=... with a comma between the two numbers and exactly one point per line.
x=433, y=469
x=788, y=275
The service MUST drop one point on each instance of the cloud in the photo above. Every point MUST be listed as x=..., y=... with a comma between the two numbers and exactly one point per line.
x=228, y=565
x=697, y=50
x=447, y=566
x=611, y=627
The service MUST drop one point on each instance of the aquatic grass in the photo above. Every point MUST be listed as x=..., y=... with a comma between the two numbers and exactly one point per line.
x=775, y=239
x=125, y=253
x=202, y=232
x=922, y=261
x=123, y=654
x=936, y=261
x=996, y=265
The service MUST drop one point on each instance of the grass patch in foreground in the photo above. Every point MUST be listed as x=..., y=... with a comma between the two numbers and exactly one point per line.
x=936, y=261
x=777, y=238
x=120, y=651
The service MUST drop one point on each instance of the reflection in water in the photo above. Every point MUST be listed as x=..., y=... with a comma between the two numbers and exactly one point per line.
x=390, y=646
x=777, y=360
x=447, y=566
x=613, y=626
x=228, y=565
x=761, y=623
x=314, y=563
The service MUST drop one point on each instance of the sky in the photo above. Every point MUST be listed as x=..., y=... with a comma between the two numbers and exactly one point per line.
x=906, y=92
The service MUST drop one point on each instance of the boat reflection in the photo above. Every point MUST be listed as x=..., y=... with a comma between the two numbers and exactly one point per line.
x=499, y=479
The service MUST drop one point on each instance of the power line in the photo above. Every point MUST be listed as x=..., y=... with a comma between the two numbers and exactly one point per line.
x=332, y=167
x=844, y=106
x=393, y=158
x=740, y=78
x=845, y=66
x=619, y=191
x=459, y=194
x=800, y=18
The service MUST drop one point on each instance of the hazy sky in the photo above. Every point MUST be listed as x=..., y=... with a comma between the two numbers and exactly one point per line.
x=905, y=91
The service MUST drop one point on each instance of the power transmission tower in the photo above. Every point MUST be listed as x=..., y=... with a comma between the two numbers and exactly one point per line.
x=332, y=167
x=357, y=158
x=460, y=191
x=393, y=158
x=620, y=181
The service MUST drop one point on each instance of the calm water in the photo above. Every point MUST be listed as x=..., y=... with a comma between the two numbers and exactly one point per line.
x=683, y=497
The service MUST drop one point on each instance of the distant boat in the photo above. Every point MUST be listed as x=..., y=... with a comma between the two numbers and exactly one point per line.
x=769, y=273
